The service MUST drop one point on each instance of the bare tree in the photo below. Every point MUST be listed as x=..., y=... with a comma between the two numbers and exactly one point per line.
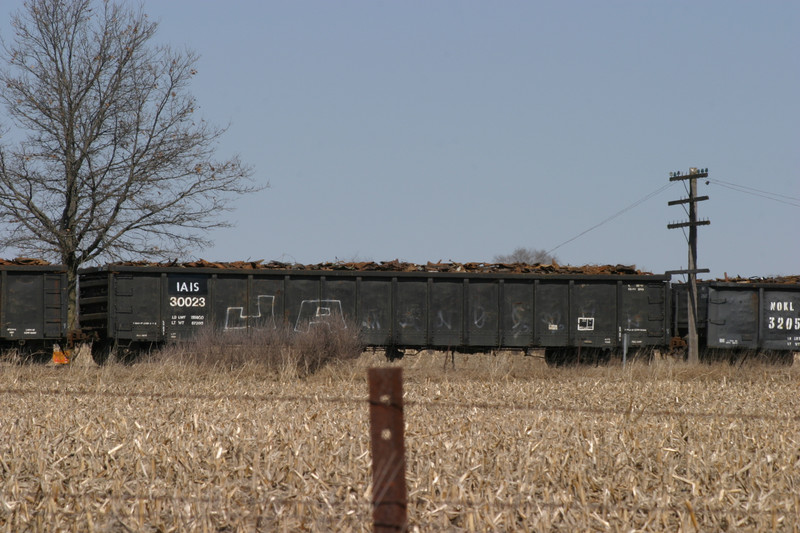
x=109, y=160
x=529, y=256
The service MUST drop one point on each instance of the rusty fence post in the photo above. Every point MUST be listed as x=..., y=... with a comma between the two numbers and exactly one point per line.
x=388, y=449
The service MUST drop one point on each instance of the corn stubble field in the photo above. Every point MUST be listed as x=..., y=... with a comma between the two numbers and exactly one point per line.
x=498, y=443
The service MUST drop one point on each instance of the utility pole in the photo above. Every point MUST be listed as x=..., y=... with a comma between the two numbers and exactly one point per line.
x=691, y=269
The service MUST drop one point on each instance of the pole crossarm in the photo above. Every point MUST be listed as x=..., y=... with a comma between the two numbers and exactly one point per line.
x=687, y=271
x=689, y=176
x=688, y=224
x=687, y=200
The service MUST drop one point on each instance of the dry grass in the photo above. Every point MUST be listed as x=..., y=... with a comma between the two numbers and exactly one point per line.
x=284, y=351
x=498, y=443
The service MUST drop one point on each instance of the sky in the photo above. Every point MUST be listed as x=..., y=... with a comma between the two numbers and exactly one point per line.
x=460, y=130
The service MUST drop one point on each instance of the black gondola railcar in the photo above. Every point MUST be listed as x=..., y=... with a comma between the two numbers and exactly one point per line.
x=571, y=316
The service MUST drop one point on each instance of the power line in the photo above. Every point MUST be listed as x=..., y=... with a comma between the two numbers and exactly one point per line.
x=615, y=215
x=788, y=200
x=716, y=180
x=782, y=198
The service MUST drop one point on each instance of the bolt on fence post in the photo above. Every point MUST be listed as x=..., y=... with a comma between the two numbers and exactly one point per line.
x=388, y=450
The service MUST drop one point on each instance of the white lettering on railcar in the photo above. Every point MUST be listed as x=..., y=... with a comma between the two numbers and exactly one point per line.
x=187, y=301
x=783, y=322
x=187, y=286
x=781, y=306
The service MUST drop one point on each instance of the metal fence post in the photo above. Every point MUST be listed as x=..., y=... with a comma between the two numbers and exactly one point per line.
x=388, y=450
x=624, y=349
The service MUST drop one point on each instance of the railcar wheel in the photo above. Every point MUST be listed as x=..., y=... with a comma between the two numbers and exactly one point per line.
x=560, y=356
x=394, y=354
x=777, y=357
x=101, y=351
x=138, y=351
x=594, y=356
x=718, y=355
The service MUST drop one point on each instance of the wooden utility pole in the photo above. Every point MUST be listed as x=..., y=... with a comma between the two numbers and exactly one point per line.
x=691, y=269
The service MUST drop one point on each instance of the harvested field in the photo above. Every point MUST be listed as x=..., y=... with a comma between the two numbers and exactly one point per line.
x=499, y=443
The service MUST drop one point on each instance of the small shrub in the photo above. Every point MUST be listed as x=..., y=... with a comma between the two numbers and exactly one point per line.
x=282, y=350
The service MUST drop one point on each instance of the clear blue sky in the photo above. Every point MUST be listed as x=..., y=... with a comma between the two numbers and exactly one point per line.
x=458, y=130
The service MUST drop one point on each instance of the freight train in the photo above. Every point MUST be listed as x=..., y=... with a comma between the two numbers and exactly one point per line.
x=573, y=314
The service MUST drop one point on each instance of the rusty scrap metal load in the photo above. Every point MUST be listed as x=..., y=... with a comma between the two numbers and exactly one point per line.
x=446, y=267
x=24, y=261
x=401, y=266
x=758, y=279
x=773, y=280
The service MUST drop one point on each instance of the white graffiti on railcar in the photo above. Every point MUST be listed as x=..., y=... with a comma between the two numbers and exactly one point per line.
x=313, y=312
x=265, y=312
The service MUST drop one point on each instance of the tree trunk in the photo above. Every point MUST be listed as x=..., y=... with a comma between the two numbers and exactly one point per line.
x=73, y=320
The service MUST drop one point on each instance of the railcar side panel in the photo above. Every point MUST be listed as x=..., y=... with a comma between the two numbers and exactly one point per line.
x=552, y=313
x=375, y=311
x=411, y=312
x=482, y=313
x=340, y=297
x=755, y=316
x=643, y=313
x=517, y=311
x=138, y=313
x=55, y=305
x=232, y=304
x=33, y=304
x=266, y=305
x=446, y=312
x=732, y=318
x=593, y=309
x=780, y=318
x=24, y=294
x=303, y=305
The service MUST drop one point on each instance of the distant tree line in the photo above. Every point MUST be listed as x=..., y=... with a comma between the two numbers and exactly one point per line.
x=528, y=256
